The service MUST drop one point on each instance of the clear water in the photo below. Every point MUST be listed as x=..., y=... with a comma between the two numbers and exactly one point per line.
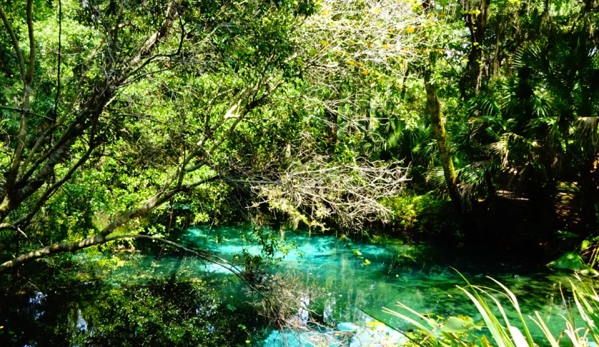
x=355, y=280
x=349, y=281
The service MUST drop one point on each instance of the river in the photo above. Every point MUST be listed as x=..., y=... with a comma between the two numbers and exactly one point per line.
x=354, y=279
x=347, y=280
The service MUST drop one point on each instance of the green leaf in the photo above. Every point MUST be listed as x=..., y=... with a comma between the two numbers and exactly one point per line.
x=569, y=261
x=457, y=325
x=519, y=339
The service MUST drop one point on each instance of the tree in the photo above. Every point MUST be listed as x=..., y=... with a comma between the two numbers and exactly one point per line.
x=476, y=17
x=129, y=106
x=363, y=66
x=136, y=105
x=438, y=124
x=537, y=121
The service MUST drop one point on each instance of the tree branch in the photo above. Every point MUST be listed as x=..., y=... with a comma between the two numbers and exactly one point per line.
x=100, y=240
x=103, y=236
x=172, y=13
x=15, y=43
x=42, y=200
x=349, y=193
x=20, y=110
x=29, y=78
x=59, y=59
x=151, y=204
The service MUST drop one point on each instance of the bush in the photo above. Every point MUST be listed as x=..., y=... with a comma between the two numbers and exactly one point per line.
x=425, y=213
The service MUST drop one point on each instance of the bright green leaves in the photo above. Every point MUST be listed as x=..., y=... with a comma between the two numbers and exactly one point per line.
x=458, y=325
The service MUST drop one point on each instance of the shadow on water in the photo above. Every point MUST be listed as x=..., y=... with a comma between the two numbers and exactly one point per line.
x=355, y=279
x=158, y=309
x=180, y=301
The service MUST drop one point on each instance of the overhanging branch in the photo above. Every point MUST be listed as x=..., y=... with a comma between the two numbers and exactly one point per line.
x=100, y=240
x=15, y=42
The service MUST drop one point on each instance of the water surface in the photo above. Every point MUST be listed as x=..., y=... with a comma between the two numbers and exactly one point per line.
x=354, y=280
x=348, y=281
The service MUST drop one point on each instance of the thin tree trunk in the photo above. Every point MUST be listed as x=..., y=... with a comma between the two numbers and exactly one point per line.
x=434, y=109
x=476, y=22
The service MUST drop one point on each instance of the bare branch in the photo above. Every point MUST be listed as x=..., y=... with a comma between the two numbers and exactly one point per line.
x=7, y=226
x=46, y=195
x=64, y=141
x=59, y=59
x=40, y=141
x=349, y=194
x=20, y=110
x=103, y=236
x=149, y=205
x=100, y=240
x=172, y=13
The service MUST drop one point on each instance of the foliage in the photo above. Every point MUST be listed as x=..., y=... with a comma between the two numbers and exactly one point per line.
x=425, y=213
x=126, y=121
x=141, y=106
x=582, y=261
x=318, y=192
x=160, y=312
x=491, y=304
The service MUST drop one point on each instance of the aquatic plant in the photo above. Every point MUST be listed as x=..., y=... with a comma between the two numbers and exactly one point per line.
x=463, y=331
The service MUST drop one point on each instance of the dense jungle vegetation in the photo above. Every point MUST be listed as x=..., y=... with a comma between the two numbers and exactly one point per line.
x=469, y=123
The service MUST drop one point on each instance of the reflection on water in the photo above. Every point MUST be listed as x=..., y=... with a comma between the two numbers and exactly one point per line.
x=356, y=279
x=353, y=280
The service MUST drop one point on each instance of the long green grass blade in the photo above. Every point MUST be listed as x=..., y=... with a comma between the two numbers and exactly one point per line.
x=515, y=304
x=519, y=339
x=500, y=308
x=586, y=300
x=493, y=325
x=417, y=324
x=541, y=324
x=572, y=333
x=409, y=319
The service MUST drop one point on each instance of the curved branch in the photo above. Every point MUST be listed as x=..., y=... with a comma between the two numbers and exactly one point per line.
x=52, y=249
x=20, y=110
x=58, y=63
x=4, y=226
x=54, y=187
x=172, y=13
x=100, y=240
x=151, y=204
x=203, y=255
x=103, y=236
x=15, y=42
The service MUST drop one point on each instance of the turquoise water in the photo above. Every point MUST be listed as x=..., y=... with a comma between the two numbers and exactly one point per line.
x=346, y=281
x=351, y=281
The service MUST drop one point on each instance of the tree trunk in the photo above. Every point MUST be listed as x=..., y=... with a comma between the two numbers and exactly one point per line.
x=476, y=21
x=589, y=193
x=434, y=109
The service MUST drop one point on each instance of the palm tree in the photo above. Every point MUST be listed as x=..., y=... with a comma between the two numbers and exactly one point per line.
x=539, y=125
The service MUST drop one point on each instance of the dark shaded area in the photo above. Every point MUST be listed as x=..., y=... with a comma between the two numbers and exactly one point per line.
x=49, y=310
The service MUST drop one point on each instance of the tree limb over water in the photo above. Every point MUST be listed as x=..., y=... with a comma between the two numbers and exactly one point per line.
x=349, y=194
x=153, y=106
x=99, y=240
